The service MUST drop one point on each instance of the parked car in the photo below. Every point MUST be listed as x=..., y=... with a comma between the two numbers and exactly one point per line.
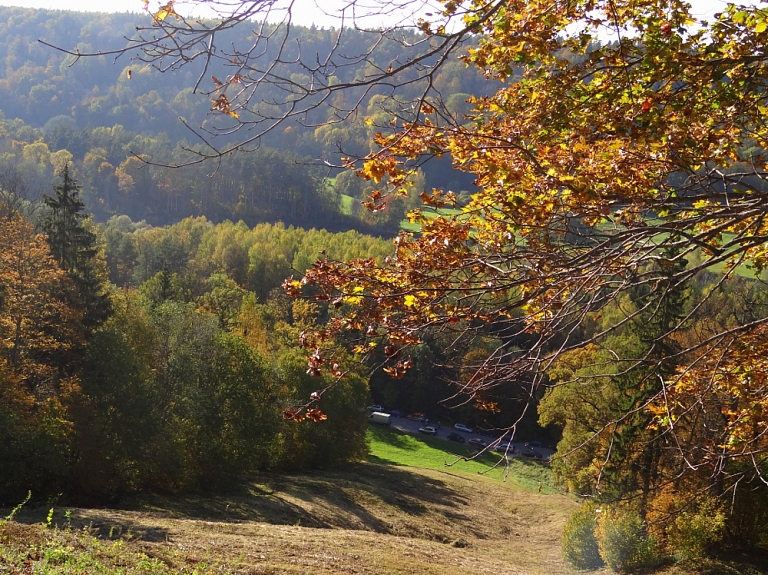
x=532, y=454
x=428, y=429
x=395, y=413
x=379, y=418
x=505, y=448
x=373, y=408
x=533, y=444
x=456, y=437
x=416, y=416
x=477, y=442
x=462, y=427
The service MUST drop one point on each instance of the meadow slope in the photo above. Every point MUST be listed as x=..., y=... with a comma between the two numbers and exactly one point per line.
x=382, y=516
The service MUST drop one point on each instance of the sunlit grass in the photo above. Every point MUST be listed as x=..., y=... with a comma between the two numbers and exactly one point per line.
x=346, y=204
x=396, y=448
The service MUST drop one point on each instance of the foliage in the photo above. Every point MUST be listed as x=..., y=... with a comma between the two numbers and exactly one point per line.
x=186, y=383
x=623, y=541
x=35, y=434
x=74, y=247
x=579, y=540
x=603, y=168
x=109, y=120
x=692, y=532
x=117, y=419
x=38, y=325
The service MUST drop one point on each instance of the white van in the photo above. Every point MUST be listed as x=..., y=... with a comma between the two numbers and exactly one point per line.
x=379, y=418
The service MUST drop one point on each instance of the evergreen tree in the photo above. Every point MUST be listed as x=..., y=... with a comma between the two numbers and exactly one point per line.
x=636, y=452
x=74, y=247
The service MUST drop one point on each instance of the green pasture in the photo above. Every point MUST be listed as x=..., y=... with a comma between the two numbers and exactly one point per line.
x=392, y=447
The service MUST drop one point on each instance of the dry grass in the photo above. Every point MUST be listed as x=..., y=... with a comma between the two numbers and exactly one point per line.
x=403, y=512
x=366, y=518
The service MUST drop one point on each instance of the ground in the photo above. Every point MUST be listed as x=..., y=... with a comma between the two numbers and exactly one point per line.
x=404, y=512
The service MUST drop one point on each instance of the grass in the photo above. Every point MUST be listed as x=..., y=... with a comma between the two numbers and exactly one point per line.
x=403, y=512
x=346, y=204
x=392, y=447
x=408, y=226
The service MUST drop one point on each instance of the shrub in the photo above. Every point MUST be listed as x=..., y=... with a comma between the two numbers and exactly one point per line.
x=579, y=541
x=623, y=540
x=692, y=532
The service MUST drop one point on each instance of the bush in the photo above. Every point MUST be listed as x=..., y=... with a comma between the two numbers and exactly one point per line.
x=579, y=541
x=623, y=540
x=692, y=532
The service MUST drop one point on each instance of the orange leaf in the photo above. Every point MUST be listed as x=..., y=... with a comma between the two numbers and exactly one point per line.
x=316, y=415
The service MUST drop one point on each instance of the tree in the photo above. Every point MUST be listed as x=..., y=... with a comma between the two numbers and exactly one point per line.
x=603, y=167
x=268, y=77
x=74, y=247
x=37, y=325
x=14, y=194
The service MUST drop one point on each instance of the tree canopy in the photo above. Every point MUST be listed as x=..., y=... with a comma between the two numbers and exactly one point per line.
x=607, y=168
x=622, y=154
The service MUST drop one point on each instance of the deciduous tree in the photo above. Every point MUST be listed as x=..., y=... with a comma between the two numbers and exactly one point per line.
x=603, y=167
x=37, y=326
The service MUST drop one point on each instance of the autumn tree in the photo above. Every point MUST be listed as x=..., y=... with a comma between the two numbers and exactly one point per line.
x=604, y=166
x=37, y=324
x=624, y=139
x=37, y=329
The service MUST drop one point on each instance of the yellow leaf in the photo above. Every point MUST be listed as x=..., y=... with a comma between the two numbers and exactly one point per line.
x=165, y=11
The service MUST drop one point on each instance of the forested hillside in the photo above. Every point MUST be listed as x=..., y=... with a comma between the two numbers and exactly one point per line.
x=109, y=116
x=168, y=323
x=147, y=343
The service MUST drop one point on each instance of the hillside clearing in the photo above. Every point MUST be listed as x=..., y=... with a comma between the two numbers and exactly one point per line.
x=374, y=517
x=377, y=517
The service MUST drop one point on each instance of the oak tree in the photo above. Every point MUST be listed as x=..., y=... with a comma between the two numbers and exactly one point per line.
x=604, y=167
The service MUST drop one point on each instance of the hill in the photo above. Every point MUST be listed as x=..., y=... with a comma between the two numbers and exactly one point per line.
x=108, y=116
x=375, y=517
x=372, y=517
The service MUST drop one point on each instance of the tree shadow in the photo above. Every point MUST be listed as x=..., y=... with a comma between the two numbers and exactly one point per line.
x=99, y=523
x=346, y=498
x=395, y=438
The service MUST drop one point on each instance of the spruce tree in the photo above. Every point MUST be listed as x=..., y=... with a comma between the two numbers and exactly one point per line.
x=74, y=247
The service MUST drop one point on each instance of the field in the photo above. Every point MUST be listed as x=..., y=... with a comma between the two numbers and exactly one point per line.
x=403, y=512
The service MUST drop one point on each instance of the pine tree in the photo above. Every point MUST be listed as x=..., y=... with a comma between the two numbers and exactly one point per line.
x=74, y=247
x=636, y=451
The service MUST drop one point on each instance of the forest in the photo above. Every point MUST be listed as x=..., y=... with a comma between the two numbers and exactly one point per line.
x=584, y=258
x=147, y=342
x=116, y=120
